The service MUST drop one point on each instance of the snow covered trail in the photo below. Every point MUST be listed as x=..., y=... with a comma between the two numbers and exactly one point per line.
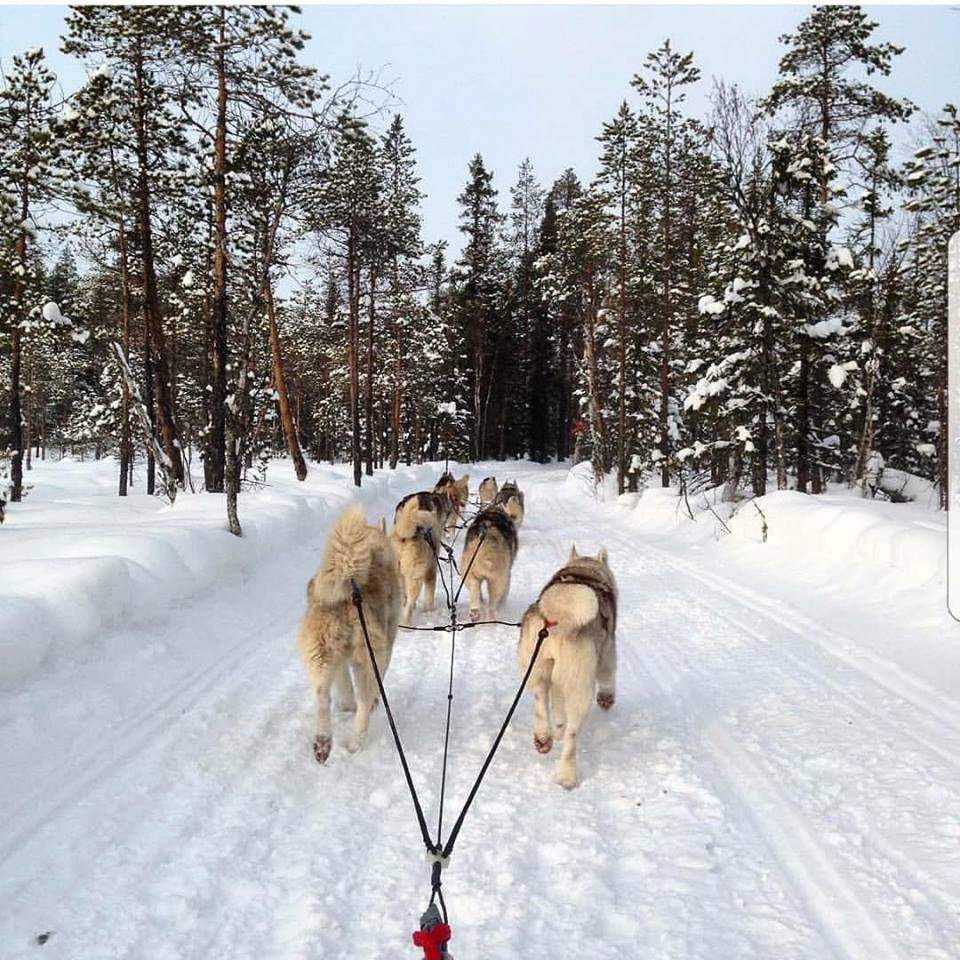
x=755, y=792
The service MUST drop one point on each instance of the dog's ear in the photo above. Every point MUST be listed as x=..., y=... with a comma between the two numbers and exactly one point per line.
x=382, y=525
x=465, y=479
x=602, y=555
x=573, y=552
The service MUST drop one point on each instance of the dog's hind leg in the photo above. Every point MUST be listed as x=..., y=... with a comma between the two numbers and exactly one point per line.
x=411, y=587
x=606, y=675
x=540, y=684
x=323, y=676
x=498, y=589
x=344, y=686
x=367, y=693
x=430, y=585
x=558, y=711
x=577, y=683
x=476, y=598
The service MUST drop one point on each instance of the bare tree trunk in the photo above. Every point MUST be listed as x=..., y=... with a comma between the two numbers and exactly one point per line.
x=353, y=350
x=218, y=347
x=803, y=417
x=28, y=434
x=368, y=399
x=596, y=416
x=397, y=398
x=151, y=407
x=14, y=412
x=280, y=383
x=125, y=442
x=622, y=334
x=151, y=308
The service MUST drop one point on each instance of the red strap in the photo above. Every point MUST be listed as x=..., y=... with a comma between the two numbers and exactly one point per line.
x=431, y=940
x=547, y=624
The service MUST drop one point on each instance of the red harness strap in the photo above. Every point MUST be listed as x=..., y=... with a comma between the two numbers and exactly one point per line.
x=431, y=940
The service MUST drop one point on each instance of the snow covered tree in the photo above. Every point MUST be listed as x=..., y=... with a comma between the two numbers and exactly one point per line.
x=29, y=147
x=478, y=294
x=934, y=186
x=674, y=146
x=135, y=43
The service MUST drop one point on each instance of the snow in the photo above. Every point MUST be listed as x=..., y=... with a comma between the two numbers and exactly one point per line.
x=52, y=314
x=779, y=778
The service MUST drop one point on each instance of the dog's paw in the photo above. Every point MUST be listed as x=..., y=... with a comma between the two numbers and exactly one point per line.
x=474, y=616
x=354, y=745
x=543, y=744
x=567, y=779
x=605, y=699
x=321, y=748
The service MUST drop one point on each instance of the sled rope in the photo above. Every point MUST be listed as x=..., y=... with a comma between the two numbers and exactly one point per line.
x=433, y=935
x=424, y=830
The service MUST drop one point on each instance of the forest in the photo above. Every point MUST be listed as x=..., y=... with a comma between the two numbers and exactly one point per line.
x=212, y=256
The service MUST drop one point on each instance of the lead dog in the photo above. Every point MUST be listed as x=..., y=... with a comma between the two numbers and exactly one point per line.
x=331, y=640
x=578, y=658
x=489, y=559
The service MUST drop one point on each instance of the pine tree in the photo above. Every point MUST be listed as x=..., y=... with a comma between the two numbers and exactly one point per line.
x=346, y=213
x=478, y=287
x=662, y=89
x=136, y=43
x=618, y=176
x=28, y=154
x=934, y=183
x=401, y=229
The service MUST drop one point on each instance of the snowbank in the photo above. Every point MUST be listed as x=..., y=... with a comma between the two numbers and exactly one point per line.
x=837, y=533
x=580, y=479
x=840, y=532
x=78, y=560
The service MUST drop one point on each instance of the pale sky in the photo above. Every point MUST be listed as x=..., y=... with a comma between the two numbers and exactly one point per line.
x=538, y=81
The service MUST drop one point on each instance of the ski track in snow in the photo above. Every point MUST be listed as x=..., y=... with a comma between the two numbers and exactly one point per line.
x=761, y=789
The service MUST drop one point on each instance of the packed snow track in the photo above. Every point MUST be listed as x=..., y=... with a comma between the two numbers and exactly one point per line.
x=756, y=791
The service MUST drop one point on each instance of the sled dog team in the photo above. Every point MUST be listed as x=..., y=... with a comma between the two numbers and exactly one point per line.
x=577, y=661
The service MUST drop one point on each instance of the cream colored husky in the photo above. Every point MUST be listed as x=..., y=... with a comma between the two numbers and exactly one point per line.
x=578, y=657
x=489, y=560
x=417, y=530
x=331, y=640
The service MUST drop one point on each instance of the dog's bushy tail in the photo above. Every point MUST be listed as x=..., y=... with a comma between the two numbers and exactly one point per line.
x=569, y=605
x=410, y=518
x=348, y=557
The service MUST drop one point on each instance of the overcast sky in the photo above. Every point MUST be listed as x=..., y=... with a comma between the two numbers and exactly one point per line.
x=539, y=81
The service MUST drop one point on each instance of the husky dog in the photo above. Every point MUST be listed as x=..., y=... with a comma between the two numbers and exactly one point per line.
x=579, y=607
x=331, y=639
x=457, y=493
x=417, y=529
x=488, y=491
x=510, y=497
x=489, y=560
